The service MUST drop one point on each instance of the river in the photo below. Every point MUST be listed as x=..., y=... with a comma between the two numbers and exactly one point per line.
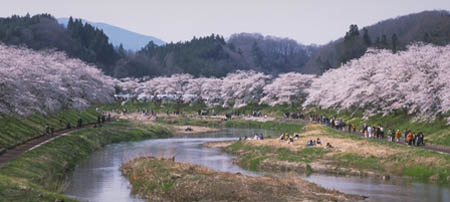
x=98, y=179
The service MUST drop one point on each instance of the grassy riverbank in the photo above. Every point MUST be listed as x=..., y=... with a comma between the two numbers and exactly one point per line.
x=281, y=127
x=40, y=174
x=16, y=130
x=163, y=180
x=351, y=155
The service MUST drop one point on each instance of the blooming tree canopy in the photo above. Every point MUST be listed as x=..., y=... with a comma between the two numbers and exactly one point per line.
x=416, y=80
x=47, y=81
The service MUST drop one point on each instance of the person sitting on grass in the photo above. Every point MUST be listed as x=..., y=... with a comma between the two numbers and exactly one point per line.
x=309, y=143
x=329, y=146
x=319, y=141
x=291, y=140
x=296, y=136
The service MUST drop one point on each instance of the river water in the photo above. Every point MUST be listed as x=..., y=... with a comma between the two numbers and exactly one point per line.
x=98, y=179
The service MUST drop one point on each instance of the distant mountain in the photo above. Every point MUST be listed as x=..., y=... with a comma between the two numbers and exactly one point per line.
x=395, y=34
x=130, y=40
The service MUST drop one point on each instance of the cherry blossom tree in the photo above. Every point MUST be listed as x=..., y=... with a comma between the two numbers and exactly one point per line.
x=416, y=80
x=287, y=88
x=47, y=81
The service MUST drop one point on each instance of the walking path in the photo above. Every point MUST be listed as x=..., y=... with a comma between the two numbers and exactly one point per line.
x=31, y=144
x=437, y=148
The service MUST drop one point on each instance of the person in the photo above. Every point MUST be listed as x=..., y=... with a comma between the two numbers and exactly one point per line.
x=296, y=136
x=369, y=131
x=377, y=132
x=397, y=135
x=261, y=136
x=291, y=140
x=329, y=146
x=47, y=129
x=405, y=135
x=391, y=135
x=99, y=119
x=103, y=118
x=354, y=127
x=420, y=139
x=309, y=143
x=109, y=117
x=319, y=141
x=409, y=138
x=80, y=123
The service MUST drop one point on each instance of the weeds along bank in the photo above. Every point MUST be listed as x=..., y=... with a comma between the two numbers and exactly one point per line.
x=40, y=174
x=17, y=130
x=350, y=155
x=164, y=180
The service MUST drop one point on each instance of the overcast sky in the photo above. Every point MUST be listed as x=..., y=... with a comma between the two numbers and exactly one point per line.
x=307, y=21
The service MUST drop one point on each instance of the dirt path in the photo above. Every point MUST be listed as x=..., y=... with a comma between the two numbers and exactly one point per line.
x=16, y=151
x=437, y=148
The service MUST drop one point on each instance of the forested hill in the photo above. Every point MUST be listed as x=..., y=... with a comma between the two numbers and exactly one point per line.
x=395, y=34
x=213, y=56
x=78, y=40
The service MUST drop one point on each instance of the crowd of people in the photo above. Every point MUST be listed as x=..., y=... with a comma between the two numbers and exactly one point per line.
x=50, y=130
x=291, y=138
x=372, y=131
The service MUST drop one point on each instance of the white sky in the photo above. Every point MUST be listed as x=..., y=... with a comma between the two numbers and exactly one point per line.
x=307, y=21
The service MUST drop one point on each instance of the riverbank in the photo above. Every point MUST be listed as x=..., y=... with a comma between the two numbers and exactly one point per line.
x=164, y=180
x=272, y=124
x=18, y=130
x=40, y=174
x=350, y=155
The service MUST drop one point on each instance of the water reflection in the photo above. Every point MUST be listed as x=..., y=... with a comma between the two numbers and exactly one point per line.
x=99, y=177
x=396, y=189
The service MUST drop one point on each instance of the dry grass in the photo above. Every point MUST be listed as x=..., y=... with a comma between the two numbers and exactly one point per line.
x=163, y=180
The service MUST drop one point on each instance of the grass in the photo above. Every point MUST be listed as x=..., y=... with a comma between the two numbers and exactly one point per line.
x=417, y=163
x=352, y=160
x=163, y=180
x=39, y=175
x=283, y=127
x=250, y=156
x=16, y=130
